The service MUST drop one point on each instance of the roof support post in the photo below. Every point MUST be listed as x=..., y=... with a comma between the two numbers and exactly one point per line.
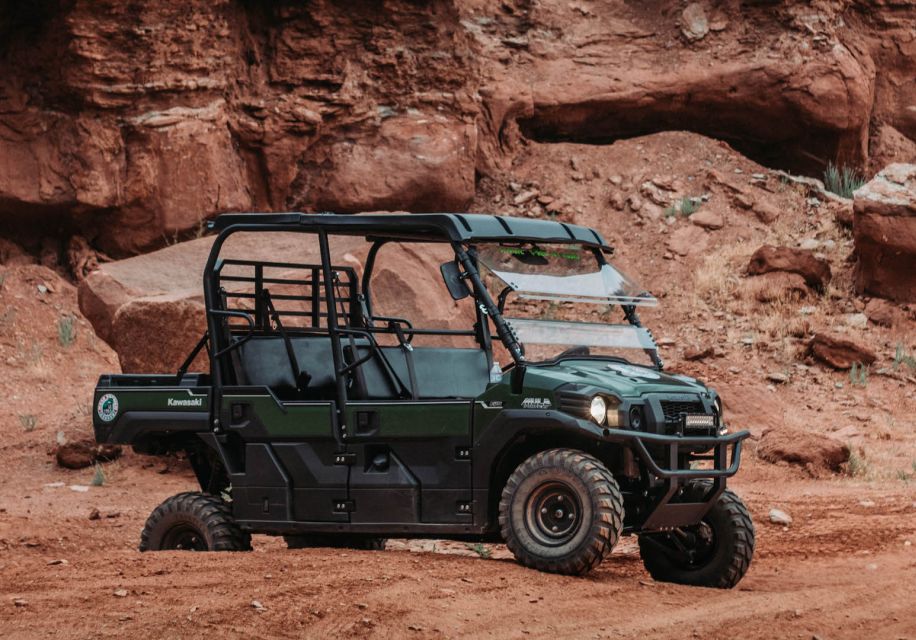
x=503, y=330
x=336, y=349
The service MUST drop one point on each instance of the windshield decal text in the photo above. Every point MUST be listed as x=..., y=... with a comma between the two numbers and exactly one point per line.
x=541, y=253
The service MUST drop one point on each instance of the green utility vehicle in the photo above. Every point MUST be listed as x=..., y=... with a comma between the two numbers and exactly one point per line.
x=527, y=418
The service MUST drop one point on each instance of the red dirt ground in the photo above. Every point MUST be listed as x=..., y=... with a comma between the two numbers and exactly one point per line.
x=841, y=570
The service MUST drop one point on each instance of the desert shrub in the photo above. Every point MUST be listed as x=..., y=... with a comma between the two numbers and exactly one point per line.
x=98, y=476
x=28, y=422
x=901, y=357
x=684, y=207
x=842, y=181
x=858, y=375
x=857, y=466
x=480, y=550
x=66, y=330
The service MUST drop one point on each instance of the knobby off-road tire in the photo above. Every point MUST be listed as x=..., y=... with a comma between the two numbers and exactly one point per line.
x=193, y=521
x=722, y=544
x=335, y=541
x=561, y=511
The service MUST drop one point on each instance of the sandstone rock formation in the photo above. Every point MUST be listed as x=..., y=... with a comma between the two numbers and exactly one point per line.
x=140, y=121
x=132, y=123
x=884, y=228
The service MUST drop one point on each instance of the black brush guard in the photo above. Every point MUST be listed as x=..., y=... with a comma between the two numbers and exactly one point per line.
x=726, y=458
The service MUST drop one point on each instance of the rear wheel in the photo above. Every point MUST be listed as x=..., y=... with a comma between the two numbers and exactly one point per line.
x=561, y=511
x=193, y=522
x=714, y=553
x=336, y=541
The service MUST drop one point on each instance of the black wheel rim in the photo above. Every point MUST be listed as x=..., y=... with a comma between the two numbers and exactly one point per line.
x=689, y=547
x=184, y=537
x=553, y=514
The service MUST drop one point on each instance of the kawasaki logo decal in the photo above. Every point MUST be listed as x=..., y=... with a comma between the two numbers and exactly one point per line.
x=536, y=403
x=107, y=408
x=186, y=402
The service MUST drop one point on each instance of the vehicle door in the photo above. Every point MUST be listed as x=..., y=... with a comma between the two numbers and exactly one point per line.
x=279, y=413
x=410, y=404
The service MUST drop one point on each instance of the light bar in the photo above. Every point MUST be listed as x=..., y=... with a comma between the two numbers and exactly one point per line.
x=702, y=421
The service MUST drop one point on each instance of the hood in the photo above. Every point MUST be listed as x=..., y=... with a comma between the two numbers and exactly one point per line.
x=613, y=375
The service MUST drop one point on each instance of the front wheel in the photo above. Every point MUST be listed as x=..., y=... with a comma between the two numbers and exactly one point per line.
x=714, y=553
x=561, y=511
x=193, y=522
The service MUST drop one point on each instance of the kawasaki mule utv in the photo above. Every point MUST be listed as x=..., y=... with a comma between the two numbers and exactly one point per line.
x=330, y=421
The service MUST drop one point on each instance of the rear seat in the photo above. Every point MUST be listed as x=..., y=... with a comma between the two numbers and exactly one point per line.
x=263, y=361
x=440, y=372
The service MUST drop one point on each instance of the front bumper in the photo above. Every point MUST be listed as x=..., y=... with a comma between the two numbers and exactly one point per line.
x=724, y=465
x=662, y=512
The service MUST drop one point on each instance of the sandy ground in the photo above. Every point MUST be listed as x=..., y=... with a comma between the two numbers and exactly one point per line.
x=843, y=569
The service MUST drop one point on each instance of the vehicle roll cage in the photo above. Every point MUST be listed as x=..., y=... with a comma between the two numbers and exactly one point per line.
x=334, y=287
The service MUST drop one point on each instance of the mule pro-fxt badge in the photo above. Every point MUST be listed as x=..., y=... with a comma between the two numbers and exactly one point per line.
x=536, y=403
x=107, y=407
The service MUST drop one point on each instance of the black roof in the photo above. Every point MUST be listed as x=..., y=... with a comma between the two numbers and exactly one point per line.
x=428, y=227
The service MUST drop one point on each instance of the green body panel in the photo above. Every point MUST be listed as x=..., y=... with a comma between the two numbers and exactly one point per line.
x=312, y=420
x=542, y=381
x=145, y=399
x=432, y=419
x=618, y=379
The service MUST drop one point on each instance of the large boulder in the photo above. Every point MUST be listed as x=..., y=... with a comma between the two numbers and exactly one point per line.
x=768, y=258
x=816, y=454
x=150, y=309
x=839, y=352
x=158, y=332
x=85, y=453
x=884, y=229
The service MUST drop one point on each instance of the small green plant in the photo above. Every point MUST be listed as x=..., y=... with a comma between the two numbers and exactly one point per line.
x=7, y=317
x=842, y=181
x=901, y=357
x=480, y=550
x=858, y=375
x=28, y=422
x=32, y=354
x=684, y=207
x=857, y=466
x=66, y=330
x=98, y=477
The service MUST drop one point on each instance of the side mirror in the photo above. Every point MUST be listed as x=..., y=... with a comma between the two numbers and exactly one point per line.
x=456, y=286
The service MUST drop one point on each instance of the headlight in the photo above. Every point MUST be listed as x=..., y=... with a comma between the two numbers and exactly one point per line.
x=598, y=410
x=721, y=414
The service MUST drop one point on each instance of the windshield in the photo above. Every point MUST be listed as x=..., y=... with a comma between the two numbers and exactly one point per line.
x=561, y=273
x=562, y=301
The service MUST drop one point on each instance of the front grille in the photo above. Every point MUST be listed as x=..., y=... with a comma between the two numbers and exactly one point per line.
x=673, y=409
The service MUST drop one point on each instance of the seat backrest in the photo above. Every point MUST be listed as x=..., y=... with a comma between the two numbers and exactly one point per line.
x=440, y=373
x=263, y=361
